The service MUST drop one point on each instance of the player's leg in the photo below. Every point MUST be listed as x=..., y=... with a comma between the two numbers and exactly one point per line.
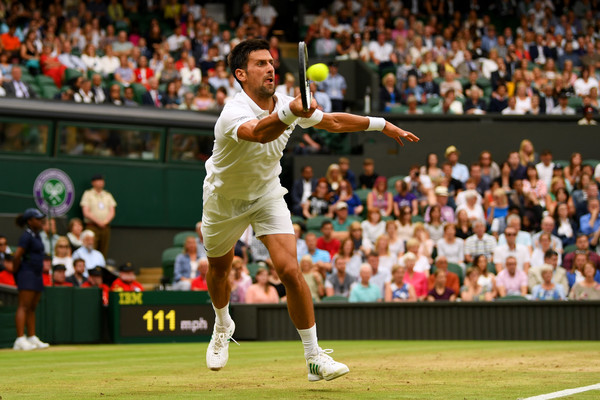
x=282, y=248
x=219, y=289
x=217, y=279
x=222, y=226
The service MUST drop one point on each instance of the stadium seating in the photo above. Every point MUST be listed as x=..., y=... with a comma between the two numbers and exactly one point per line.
x=296, y=219
x=335, y=299
x=168, y=261
x=71, y=74
x=179, y=238
x=253, y=268
x=392, y=182
x=314, y=224
x=512, y=298
x=362, y=195
x=564, y=163
x=417, y=218
x=457, y=269
x=570, y=248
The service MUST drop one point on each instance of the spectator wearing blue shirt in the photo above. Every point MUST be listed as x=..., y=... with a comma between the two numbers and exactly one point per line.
x=335, y=86
x=320, y=258
x=589, y=224
x=517, y=170
x=548, y=290
x=364, y=290
x=460, y=171
x=92, y=257
x=347, y=173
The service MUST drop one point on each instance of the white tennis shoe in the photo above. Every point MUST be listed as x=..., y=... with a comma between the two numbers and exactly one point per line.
x=217, y=352
x=322, y=366
x=23, y=344
x=34, y=340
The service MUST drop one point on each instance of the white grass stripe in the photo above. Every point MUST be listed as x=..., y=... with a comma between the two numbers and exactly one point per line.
x=564, y=393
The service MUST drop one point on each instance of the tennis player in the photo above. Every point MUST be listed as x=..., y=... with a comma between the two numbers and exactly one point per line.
x=242, y=187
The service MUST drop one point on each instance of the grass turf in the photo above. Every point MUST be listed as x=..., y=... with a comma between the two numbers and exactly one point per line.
x=275, y=370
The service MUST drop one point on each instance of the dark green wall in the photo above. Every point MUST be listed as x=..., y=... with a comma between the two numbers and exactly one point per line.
x=147, y=194
x=498, y=320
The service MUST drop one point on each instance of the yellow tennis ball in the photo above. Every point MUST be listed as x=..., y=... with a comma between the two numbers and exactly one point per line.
x=317, y=72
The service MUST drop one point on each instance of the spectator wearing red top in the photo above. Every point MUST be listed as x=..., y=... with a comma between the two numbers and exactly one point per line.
x=582, y=244
x=452, y=281
x=51, y=66
x=126, y=281
x=327, y=242
x=199, y=282
x=143, y=73
x=59, y=276
x=10, y=42
x=95, y=280
x=46, y=271
x=6, y=275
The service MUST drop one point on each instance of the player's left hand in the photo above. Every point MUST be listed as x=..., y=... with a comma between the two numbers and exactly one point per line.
x=298, y=110
x=397, y=134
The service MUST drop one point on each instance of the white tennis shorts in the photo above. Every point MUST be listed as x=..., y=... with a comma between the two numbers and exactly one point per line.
x=225, y=220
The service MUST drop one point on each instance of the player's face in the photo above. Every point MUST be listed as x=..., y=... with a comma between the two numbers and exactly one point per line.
x=259, y=76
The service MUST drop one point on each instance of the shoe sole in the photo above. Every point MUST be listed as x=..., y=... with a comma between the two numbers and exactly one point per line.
x=336, y=374
x=22, y=349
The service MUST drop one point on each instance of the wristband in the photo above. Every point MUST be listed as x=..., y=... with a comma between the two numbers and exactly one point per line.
x=376, y=124
x=286, y=115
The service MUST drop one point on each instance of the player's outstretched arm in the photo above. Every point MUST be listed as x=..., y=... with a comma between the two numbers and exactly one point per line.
x=344, y=122
x=271, y=127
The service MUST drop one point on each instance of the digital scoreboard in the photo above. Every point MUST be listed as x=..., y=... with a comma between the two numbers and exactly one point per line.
x=145, y=317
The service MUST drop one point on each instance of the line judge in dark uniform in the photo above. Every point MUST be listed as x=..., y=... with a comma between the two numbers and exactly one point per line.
x=28, y=264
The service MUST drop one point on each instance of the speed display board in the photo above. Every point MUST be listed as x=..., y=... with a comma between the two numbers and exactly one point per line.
x=145, y=317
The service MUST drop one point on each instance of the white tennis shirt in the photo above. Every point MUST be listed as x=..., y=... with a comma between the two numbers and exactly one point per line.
x=239, y=169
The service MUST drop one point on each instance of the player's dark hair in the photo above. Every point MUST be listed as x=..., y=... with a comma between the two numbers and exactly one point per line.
x=238, y=58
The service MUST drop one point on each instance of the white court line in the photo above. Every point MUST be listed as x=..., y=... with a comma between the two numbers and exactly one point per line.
x=564, y=393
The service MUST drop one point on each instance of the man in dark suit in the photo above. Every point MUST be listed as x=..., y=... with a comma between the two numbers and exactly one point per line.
x=100, y=93
x=539, y=52
x=114, y=95
x=152, y=97
x=17, y=88
x=501, y=75
x=548, y=100
x=302, y=189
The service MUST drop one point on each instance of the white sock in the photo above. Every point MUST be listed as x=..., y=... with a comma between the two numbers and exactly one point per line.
x=309, y=340
x=222, y=316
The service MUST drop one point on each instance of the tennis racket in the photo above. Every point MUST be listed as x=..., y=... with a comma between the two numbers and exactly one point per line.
x=304, y=84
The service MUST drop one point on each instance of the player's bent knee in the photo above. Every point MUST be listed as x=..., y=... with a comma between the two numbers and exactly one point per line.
x=290, y=275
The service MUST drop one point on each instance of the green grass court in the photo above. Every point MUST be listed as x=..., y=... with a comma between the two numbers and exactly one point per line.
x=275, y=370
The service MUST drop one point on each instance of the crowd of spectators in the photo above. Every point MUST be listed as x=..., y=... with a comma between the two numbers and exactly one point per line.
x=73, y=262
x=528, y=228
x=513, y=57
x=404, y=239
